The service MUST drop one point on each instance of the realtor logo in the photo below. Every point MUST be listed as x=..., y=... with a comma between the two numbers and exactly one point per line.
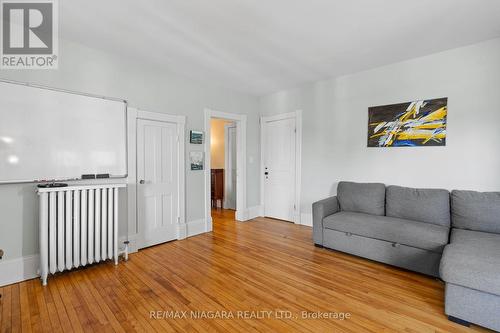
x=29, y=34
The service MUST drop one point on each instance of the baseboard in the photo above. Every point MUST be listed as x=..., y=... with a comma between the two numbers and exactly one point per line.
x=255, y=211
x=195, y=227
x=26, y=268
x=181, y=231
x=19, y=269
x=306, y=219
x=241, y=215
x=249, y=213
x=132, y=243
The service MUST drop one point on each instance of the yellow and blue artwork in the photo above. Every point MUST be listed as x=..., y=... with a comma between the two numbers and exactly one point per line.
x=418, y=123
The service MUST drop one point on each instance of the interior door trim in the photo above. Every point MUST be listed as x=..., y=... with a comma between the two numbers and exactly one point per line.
x=227, y=157
x=298, y=158
x=242, y=213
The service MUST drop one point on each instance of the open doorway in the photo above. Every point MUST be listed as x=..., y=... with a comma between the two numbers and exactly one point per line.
x=225, y=174
x=223, y=163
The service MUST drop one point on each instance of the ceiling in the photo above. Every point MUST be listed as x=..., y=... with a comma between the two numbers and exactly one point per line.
x=258, y=47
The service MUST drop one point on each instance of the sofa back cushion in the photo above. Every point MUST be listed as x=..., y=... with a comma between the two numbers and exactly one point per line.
x=479, y=211
x=423, y=205
x=368, y=198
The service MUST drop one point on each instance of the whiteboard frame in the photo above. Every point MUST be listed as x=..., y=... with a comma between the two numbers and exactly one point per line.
x=38, y=86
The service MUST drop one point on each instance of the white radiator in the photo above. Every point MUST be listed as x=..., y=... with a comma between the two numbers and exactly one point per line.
x=78, y=226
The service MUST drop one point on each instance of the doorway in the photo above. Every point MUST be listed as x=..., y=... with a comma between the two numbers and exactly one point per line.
x=225, y=172
x=222, y=164
x=280, y=166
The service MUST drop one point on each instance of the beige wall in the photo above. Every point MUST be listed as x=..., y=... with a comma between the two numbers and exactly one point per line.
x=217, y=143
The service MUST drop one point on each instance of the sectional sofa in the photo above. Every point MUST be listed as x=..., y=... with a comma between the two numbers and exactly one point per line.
x=471, y=262
x=410, y=228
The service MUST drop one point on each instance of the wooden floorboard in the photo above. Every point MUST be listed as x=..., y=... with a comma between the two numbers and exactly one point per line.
x=256, y=266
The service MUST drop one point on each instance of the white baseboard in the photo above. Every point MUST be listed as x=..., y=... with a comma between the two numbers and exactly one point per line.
x=133, y=245
x=181, y=231
x=195, y=227
x=255, y=211
x=306, y=219
x=26, y=268
x=249, y=213
x=19, y=269
x=241, y=215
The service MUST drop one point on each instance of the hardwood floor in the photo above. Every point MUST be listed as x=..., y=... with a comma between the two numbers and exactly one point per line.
x=261, y=265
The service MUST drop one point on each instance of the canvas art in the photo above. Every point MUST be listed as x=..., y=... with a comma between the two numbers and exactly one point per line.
x=196, y=137
x=418, y=123
x=196, y=158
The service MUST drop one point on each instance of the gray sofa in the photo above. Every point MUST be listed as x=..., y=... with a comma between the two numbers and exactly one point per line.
x=400, y=226
x=471, y=262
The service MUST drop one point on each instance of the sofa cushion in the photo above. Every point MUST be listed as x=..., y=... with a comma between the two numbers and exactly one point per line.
x=425, y=205
x=366, y=198
x=479, y=211
x=417, y=234
x=472, y=260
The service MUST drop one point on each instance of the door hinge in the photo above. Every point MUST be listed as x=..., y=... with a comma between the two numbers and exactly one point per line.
x=178, y=219
x=294, y=207
x=295, y=130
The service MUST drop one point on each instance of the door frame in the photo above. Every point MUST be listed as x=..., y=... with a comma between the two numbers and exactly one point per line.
x=241, y=164
x=297, y=115
x=133, y=221
x=227, y=157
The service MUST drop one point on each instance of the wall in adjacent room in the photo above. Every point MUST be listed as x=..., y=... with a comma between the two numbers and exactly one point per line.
x=217, y=143
x=146, y=87
x=335, y=116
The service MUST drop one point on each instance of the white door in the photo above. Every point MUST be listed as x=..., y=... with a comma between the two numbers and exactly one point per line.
x=279, y=168
x=230, y=166
x=157, y=177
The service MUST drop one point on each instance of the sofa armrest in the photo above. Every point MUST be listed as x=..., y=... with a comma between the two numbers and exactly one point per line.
x=322, y=209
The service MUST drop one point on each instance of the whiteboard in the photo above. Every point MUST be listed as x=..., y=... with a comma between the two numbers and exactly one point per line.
x=48, y=134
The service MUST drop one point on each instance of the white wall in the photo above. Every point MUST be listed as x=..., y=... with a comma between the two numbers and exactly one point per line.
x=334, y=125
x=147, y=88
x=335, y=116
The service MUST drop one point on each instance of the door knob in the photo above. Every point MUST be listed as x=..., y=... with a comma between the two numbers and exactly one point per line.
x=142, y=182
x=266, y=173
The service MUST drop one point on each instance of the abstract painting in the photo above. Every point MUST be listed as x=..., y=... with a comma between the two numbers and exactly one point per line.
x=418, y=123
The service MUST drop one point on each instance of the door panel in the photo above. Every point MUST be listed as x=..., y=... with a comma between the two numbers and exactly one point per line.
x=157, y=174
x=279, y=164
